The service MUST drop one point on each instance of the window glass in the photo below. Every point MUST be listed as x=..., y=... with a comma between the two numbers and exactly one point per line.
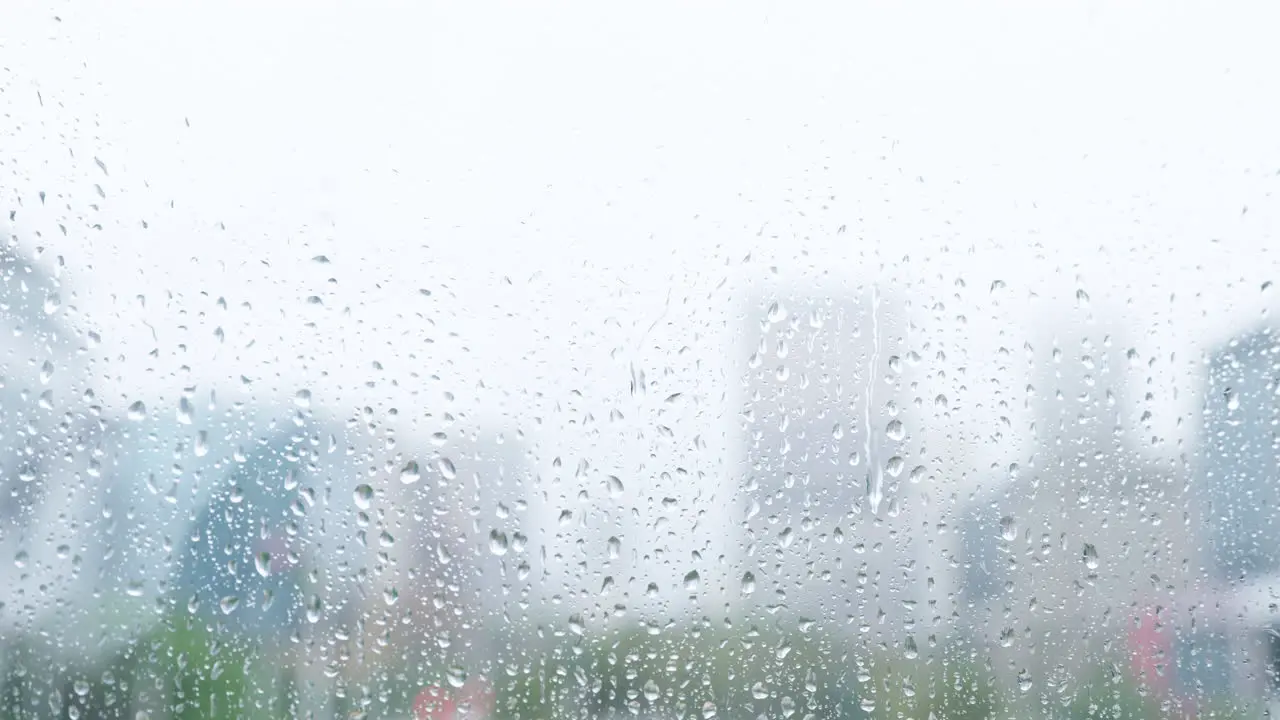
x=519, y=361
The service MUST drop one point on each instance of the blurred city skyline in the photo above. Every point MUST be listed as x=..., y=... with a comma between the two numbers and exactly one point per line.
x=1083, y=376
x=674, y=361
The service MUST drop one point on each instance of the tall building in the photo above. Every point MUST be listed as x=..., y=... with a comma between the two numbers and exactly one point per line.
x=49, y=443
x=830, y=445
x=1240, y=457
x=31, y=360
x=451, y=577
x=1086, y=529
x=1227, y=638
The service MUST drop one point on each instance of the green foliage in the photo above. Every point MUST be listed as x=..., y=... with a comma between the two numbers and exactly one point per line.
x=185, y=669
x=1113, y=695
x=951, y=689
x=181, y=670
x=1109, y=696
x=742, y=673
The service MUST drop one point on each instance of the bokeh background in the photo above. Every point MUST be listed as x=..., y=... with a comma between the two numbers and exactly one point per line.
x=682, y=361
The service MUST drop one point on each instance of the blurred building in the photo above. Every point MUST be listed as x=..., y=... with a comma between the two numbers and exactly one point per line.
x=831, y=447
x=50, y=454
x=1084, y=530
x=1241, y=458
x=1237, y=492
x=57, y=530
x=461, y=559
x=35, y=383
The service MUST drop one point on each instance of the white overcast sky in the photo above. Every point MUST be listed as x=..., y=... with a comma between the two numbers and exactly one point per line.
x=553, y=172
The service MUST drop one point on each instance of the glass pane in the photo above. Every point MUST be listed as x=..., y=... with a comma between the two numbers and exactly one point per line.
x=520, y=361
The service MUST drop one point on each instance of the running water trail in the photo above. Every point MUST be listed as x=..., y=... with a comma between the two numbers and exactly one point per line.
x=875, y=477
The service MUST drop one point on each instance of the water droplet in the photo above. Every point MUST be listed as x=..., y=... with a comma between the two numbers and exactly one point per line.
x=651, y=690
x=46, y=372
x=615, y=486
x=1233, y=399
x=137, y=412
x=262, y=562
x=410, y=474
x=497, y=542
x=917, y=474
x=1024, y=681
x=909, y=649
x=776, y=313
x=748, y=584
x=363, y=496
x=229, y=604
x=1082, y=299
x=894, y=430
x=52, y=302
x=895, y=466
x=1090, y=555
x=446, y=468
x=456, y=676
x=615, y=548
x=708, y=710
x=1006, y=637
x=691, y=581
x=997, y=286
x=1008, y=528
x=186, y=411
x=202, y=443
x=81, y=687
x=302, y=399
x=314, y=609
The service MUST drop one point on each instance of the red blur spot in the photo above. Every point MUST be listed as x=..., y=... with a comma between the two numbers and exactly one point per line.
x=434, y=703
x=473, y=701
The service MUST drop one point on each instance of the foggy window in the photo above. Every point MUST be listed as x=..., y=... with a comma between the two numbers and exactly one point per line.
x=526, y=361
